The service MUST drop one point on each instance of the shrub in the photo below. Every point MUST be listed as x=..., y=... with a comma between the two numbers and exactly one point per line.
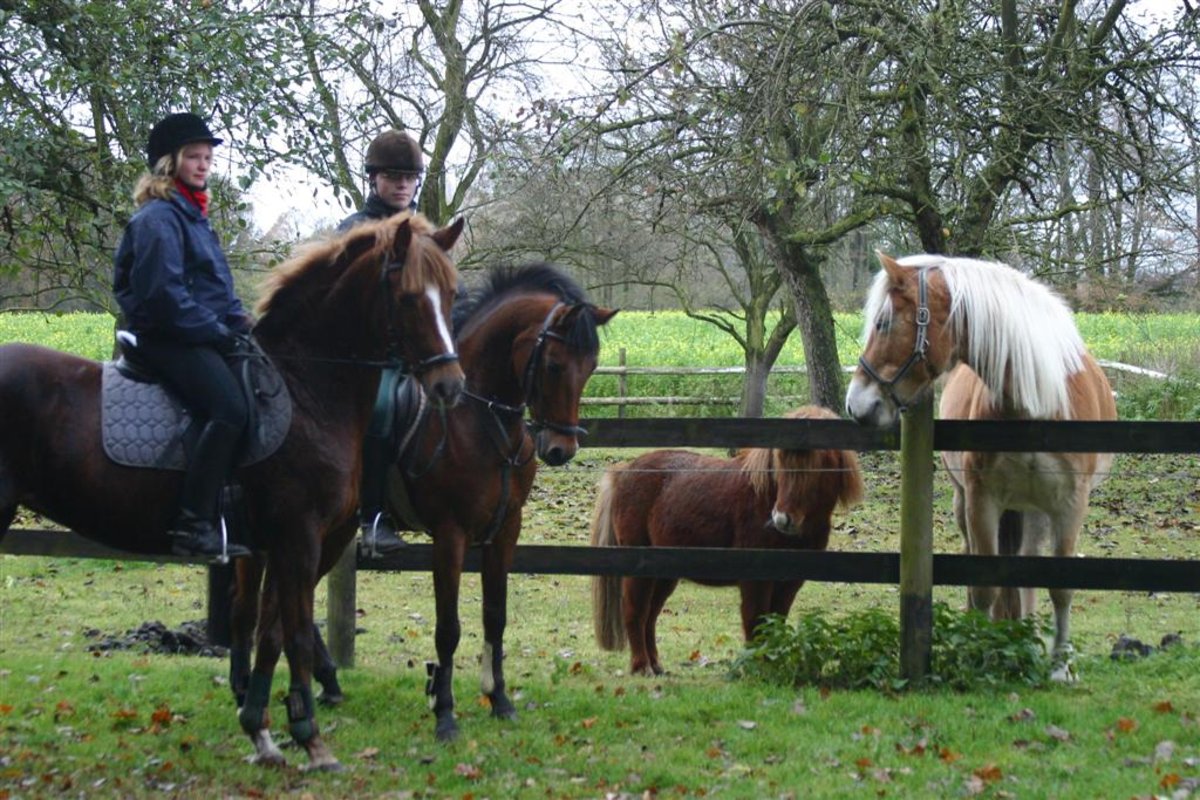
x=862, y=651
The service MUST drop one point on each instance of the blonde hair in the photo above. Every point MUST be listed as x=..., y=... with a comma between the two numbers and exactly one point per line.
x=158, y=184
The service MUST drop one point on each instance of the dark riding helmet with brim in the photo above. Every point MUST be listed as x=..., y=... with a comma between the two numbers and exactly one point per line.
x=394, y=151
x=174, y=131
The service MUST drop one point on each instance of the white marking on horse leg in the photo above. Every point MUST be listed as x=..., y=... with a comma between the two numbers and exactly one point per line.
x=265, y=749
x=487, y=677
x=435, y=298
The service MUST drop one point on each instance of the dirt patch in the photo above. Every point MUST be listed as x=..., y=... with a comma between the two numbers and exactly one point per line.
x=189, y=639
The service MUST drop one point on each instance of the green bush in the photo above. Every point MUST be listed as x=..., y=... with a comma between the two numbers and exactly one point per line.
x=862, y=651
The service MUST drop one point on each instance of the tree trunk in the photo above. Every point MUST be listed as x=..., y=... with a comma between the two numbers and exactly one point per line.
x=754, y=387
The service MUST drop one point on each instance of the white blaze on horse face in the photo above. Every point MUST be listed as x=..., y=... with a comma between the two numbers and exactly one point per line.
x=487, y=678
x=435, y=299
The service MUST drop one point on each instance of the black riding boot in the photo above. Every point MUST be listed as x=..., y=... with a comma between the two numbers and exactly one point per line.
x=197, y=529
x=379, y=536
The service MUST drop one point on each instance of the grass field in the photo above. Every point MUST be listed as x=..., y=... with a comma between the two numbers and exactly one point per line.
x=129, y=724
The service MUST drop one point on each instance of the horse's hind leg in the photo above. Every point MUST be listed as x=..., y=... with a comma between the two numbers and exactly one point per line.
x=1065, y=527
x=658, y=601
x=637, y=595
x=325, y=672
x=495, y=618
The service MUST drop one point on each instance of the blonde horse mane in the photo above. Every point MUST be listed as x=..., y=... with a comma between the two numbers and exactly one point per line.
x=1021, y=337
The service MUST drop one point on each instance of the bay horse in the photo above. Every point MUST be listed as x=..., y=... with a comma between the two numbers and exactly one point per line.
x=1011, y=350
x=761, y=498
x=528, y=341
x=326, y=320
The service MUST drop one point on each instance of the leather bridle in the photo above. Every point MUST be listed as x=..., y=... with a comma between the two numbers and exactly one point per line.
x=393, y=339
x=920, y=345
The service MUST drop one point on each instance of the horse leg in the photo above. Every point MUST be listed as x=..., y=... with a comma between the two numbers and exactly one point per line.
x=296, y=582
x=756, y=602
x=658, y=600
x=983, y=521
x=637, y=596
x=247, y=586
x=253, y=713
x=496, y=561
x=325, y=672
x=449, y=548
x=1065, y=526
x=960, y=517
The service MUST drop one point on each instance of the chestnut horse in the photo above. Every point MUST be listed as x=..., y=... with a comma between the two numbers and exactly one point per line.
x=1012, y=351
x=528, y=341
x=761, y=498
x=325, y=322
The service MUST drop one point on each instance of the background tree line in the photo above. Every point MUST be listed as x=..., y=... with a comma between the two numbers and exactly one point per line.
x=740, y=160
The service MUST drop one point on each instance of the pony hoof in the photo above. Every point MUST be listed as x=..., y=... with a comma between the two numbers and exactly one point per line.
x=267, y=760
x=1064, y=673
x=329, y=700
x=326, y=766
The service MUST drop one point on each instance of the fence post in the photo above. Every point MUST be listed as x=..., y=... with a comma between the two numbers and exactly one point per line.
x=916, y=539
x=340, y=616
x=622, y=386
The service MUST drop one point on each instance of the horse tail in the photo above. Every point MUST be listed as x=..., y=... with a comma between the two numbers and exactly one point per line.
x=606, y=589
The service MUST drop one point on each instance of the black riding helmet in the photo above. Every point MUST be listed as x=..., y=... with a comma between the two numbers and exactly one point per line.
x=174, y=131
x=394, y=151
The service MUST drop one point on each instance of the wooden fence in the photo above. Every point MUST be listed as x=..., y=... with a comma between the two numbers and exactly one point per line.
x=622, y=399
x=915, y=568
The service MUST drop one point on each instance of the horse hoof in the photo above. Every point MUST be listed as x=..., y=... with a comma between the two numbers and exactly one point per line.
x=1064, y=673
x=326, y=766
x=446, y=730
x=329, y=700
x=267, y=760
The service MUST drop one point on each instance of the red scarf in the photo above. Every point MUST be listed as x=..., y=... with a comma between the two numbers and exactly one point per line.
x=197, y=197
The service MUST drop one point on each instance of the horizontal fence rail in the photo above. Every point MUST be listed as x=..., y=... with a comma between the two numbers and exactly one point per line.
x=699, y=563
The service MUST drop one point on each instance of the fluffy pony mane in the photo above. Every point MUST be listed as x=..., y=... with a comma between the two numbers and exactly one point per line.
x=832, y=474
x=504, y=282
x=1022, y=339
x=303, y=281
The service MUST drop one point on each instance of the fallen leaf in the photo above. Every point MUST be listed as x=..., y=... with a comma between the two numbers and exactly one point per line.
x=989, y=773
x=1126, y=725
x=1164, y=707
x=948, y=756
x=747, y=725
x=1164, y=750
x=367, y=753
x=468, y=771
x=1057, y=733
x=1170, y=780
x=161, y=716
x=588, y=722
x=1024, y=715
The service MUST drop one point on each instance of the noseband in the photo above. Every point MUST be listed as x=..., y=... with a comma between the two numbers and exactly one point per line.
x=920, y=346
x=393, y=340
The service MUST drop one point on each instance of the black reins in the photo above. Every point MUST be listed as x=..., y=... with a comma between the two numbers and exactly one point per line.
x=920, y=346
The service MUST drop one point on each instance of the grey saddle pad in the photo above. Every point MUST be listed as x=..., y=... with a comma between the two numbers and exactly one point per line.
x=143, y=426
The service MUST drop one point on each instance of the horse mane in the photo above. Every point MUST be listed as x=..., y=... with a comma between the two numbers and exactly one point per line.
x=507, y=281
x=1022, y=340
x=829, y=476
x=300, y=284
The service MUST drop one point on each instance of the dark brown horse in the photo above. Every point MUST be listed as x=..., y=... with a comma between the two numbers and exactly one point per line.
x=528, y=341
x=762, y=498
x=326, y=320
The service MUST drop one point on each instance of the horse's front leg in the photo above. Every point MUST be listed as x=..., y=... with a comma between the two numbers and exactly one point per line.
x=248, y=574
x=296, y=579
x=497, y=559
x=449, y=549
x=253, y=713
x=1065, y=525
x=983, y=523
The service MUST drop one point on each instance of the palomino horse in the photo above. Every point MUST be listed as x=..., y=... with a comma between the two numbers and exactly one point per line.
x=762, y=498
x=1012, y=351
x=325, y=322
x=527, y=340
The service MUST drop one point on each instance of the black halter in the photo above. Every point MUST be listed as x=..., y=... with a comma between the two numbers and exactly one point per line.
x=920, y=346
x=533, y=385
x=393, y=335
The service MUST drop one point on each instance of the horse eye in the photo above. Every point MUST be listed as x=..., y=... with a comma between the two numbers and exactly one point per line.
x=554, y=369
x=881, y=325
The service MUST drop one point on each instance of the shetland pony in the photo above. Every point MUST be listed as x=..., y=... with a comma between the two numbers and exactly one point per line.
x=1011, y=351
x=761, y=498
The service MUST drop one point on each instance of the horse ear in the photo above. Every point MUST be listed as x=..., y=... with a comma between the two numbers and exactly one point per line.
x=446, y=237
x=402, y=239
x=891, y=266
x=603, y=315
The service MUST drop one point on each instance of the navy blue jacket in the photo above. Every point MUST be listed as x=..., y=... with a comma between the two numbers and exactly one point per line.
x=171, y=278
x=373, y=209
